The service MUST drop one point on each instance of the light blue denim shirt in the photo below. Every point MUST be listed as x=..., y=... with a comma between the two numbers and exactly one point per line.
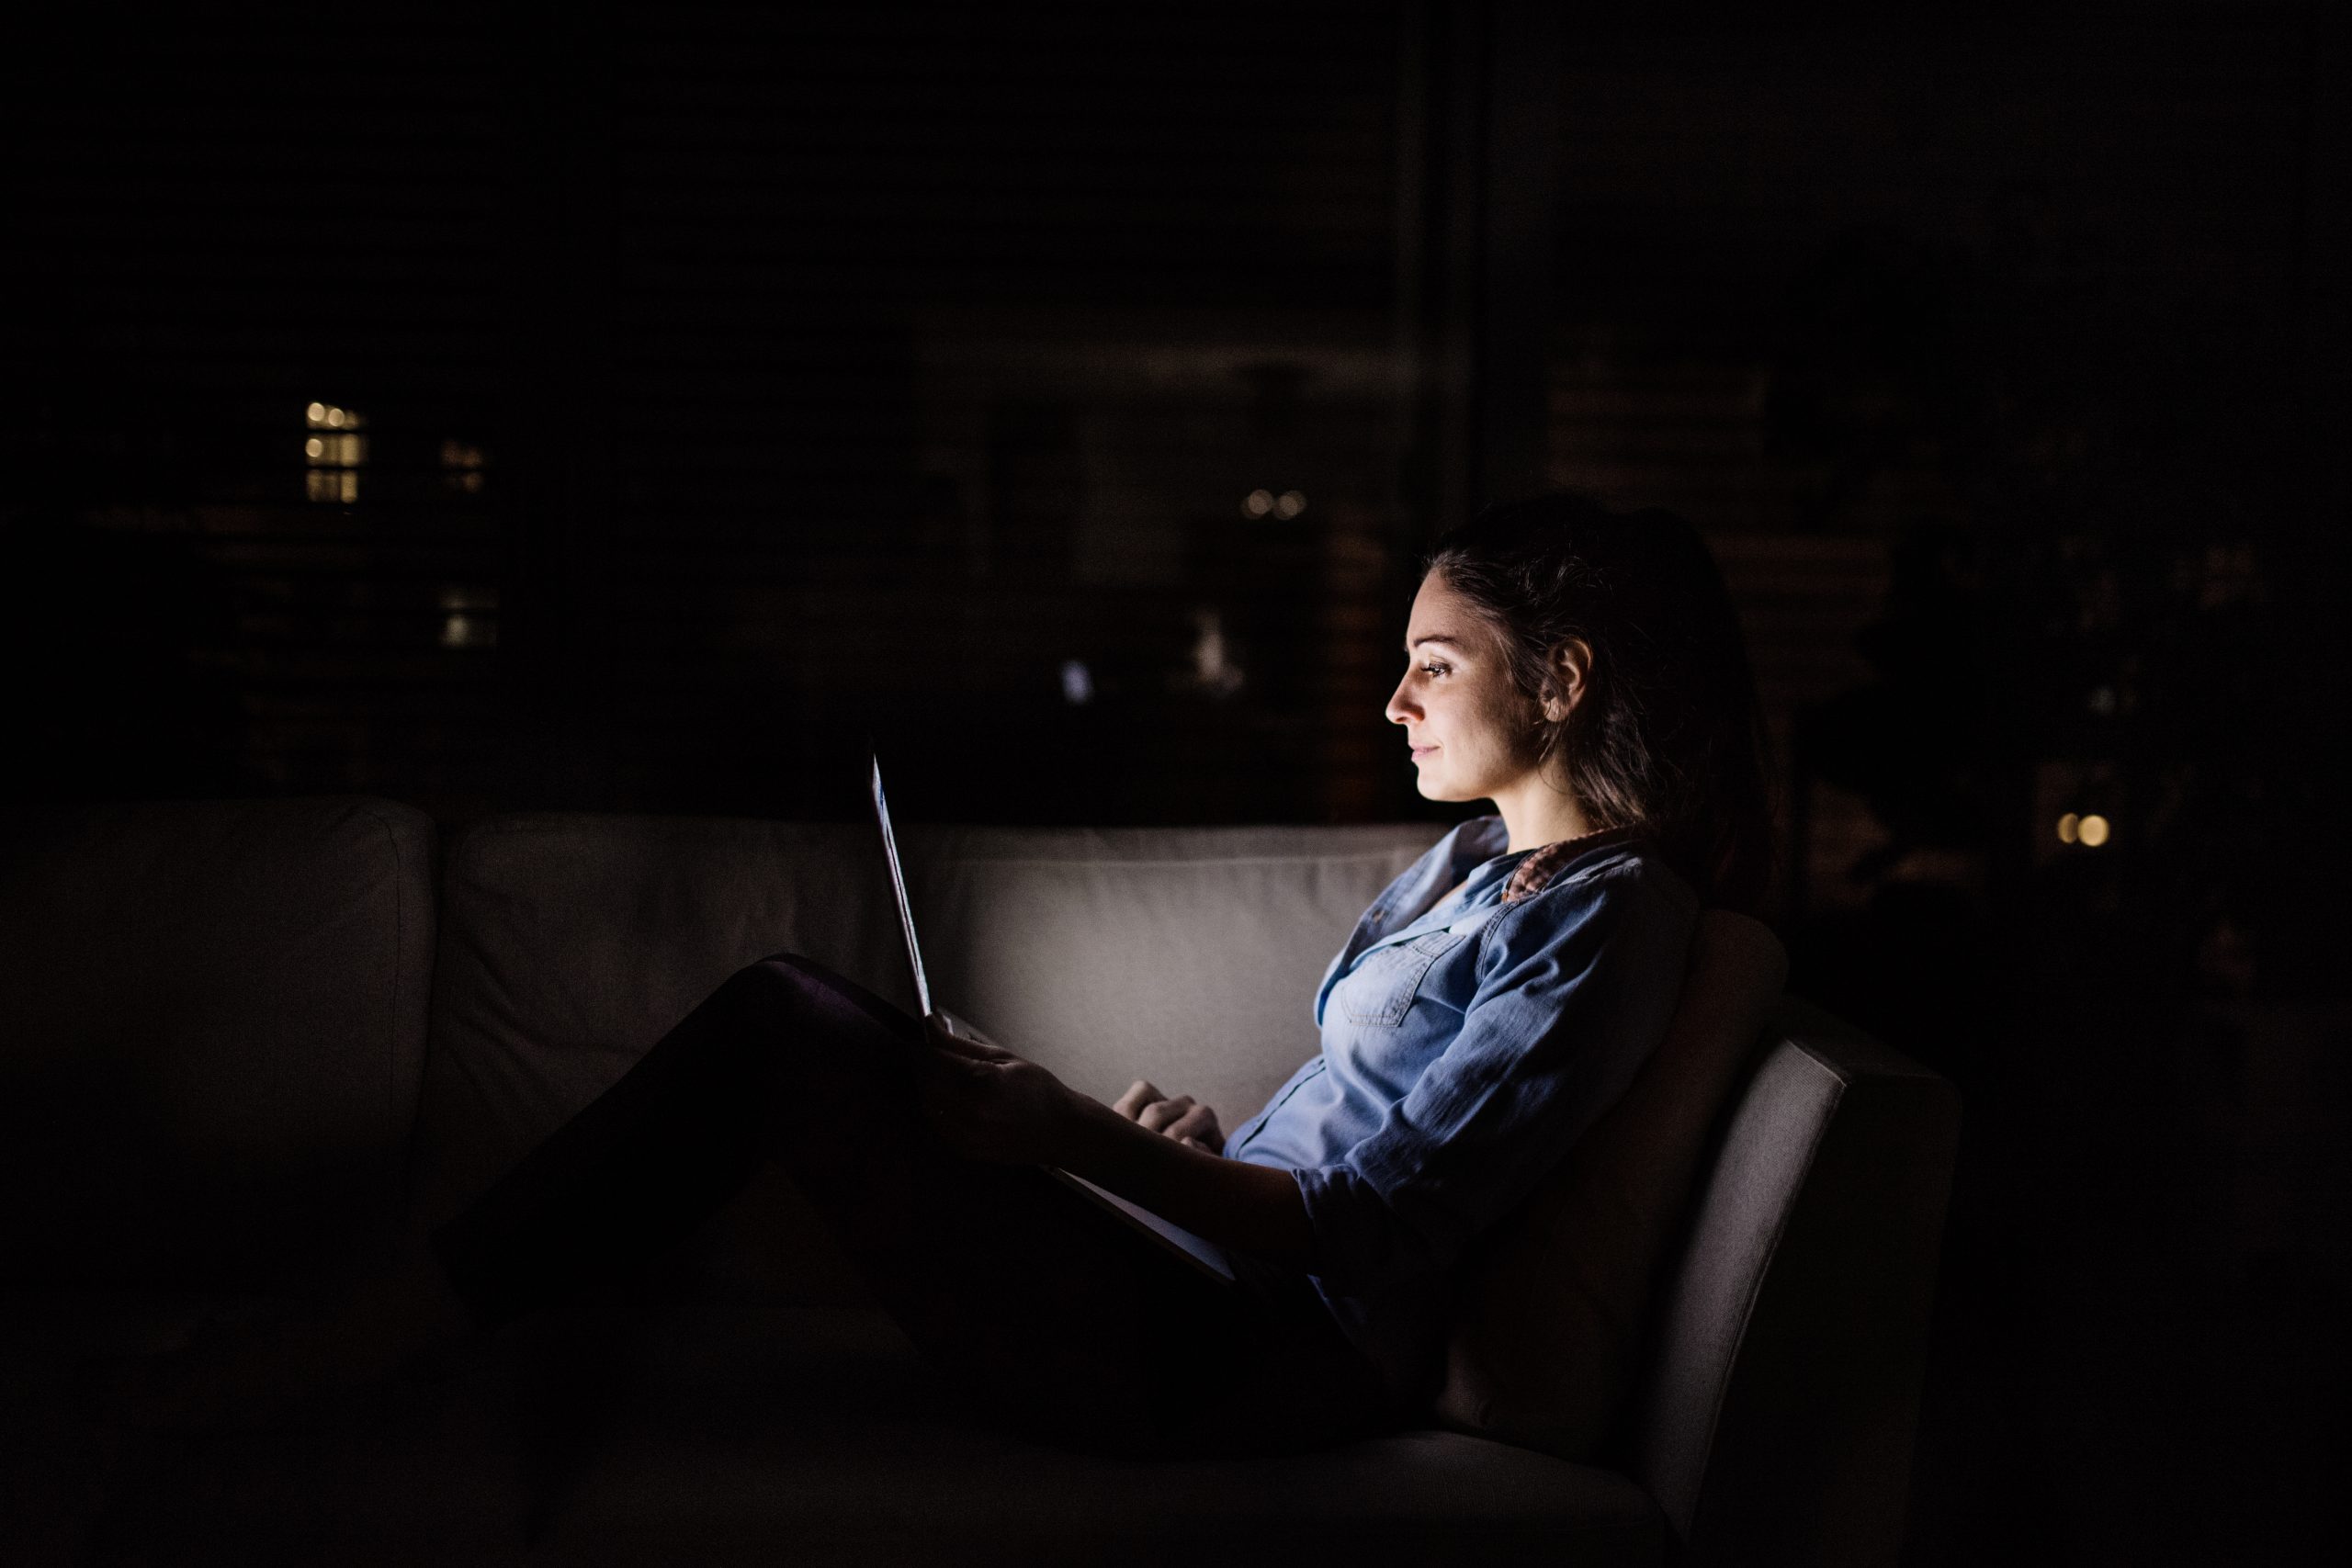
x=1466, y=1044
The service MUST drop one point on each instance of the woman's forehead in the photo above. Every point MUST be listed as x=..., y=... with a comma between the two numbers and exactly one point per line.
x=1441, y=616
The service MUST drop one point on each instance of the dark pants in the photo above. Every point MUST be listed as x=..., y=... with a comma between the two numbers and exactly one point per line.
x=1060, y=1319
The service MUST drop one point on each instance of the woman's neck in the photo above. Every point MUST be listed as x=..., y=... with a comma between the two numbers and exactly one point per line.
x=1536, y=811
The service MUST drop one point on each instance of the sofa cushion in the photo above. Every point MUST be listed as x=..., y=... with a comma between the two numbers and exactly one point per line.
x=761, y=1436
x=212, y=1033
x=56, y=1452
x=399, y=1475
x=1548, y=1330
x=570, y=943
x=442, y=1478
x=1186, y=956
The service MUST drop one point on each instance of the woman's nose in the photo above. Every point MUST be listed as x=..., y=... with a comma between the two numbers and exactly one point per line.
x=1402, y=708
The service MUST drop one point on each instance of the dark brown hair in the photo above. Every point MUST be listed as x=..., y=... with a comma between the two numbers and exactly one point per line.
x=1668, y=738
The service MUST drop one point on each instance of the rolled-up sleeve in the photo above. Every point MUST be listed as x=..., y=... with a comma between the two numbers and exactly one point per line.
x=1574, y=986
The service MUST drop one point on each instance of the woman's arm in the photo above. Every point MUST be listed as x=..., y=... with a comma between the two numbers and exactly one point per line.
x=1248, y=1208
x=987, y=1103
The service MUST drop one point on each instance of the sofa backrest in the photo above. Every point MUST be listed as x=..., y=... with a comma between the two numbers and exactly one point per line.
x=570, y=943
x=211, y=1034
x=1187, y=956
x=1777, y=1418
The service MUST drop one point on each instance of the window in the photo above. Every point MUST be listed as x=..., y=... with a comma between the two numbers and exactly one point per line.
x=333, y=453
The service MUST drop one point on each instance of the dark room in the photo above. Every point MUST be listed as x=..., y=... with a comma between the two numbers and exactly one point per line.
x=1612, y=828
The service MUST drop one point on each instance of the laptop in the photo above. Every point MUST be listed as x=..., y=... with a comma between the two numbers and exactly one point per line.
x=1204, y=1256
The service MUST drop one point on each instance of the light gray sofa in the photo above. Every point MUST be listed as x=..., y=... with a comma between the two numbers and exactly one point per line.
x=236, y=1037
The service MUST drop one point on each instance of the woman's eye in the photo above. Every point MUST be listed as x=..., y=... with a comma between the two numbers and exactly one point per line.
x=1435, y=669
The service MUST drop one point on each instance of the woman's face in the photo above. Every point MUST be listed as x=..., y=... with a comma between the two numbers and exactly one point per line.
x=1472, y=732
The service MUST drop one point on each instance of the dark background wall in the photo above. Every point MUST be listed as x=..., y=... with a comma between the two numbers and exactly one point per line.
x=1061, y=393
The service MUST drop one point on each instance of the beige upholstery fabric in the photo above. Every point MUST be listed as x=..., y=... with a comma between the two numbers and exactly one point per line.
x=211, y=1036
x=1188, y=957
x=1548, y=1331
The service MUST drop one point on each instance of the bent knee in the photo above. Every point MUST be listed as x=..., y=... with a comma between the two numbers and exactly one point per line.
x=799, y=969
x=779, y=976
x=801, y=984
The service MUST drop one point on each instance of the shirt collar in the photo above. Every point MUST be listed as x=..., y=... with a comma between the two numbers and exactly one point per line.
x=1478, y=857
x=1472, y=854
x=1540, y=865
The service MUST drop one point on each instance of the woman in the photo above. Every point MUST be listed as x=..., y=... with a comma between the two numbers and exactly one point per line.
x=1581, y=671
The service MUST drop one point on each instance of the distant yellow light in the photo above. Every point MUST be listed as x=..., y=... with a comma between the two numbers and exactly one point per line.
x=2094, y=831
x=334, y=418
x=314, y=447
x=2068, y=826
x=1289, y=505
x=318, y=414
x=1257, y=502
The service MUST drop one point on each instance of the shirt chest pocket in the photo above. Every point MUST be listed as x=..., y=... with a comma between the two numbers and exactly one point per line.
x=1380, y=990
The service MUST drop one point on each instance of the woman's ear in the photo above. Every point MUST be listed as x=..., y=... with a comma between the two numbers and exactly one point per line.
x=1571, y=673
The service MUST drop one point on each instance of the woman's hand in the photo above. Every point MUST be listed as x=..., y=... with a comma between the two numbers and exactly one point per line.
x=986, y=1103
x=1182, y=1119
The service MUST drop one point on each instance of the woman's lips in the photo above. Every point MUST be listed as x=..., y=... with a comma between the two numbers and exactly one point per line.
x=1421, y=751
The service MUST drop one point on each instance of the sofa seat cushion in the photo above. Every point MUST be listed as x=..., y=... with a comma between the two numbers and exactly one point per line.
x=405, y=1473
x=55, y=1456
x=420, y=1473
x=765, y=1434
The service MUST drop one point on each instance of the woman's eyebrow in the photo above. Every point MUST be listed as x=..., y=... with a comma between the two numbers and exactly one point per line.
x=1433, y=637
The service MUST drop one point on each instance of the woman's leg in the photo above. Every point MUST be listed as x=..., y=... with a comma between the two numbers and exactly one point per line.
x=1059, y=1318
